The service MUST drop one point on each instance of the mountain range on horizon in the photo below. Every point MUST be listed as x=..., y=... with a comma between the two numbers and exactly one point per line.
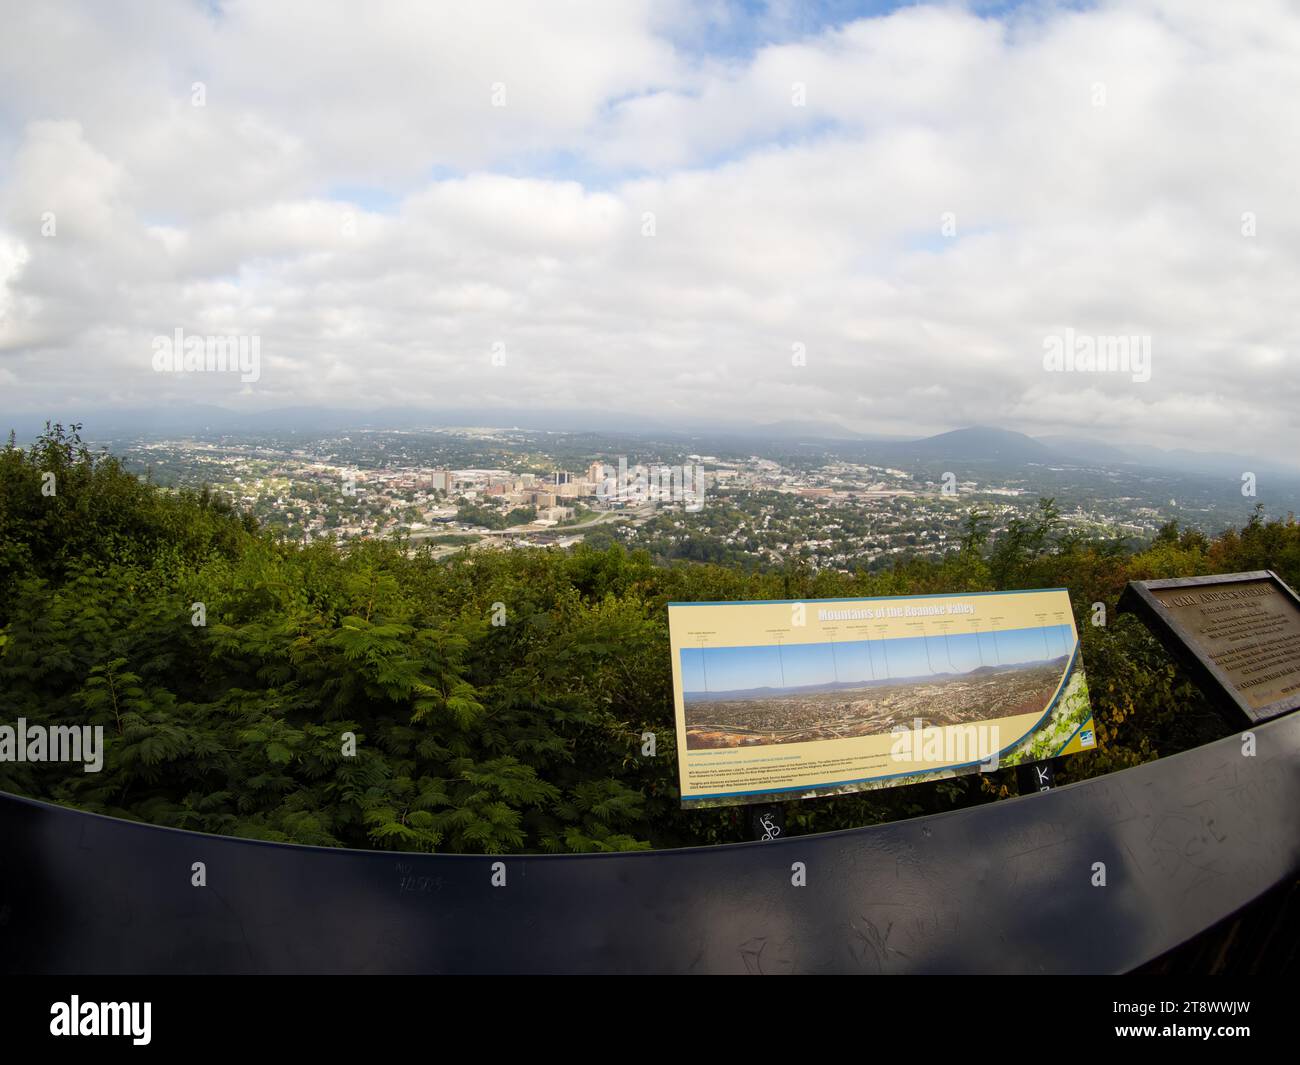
x=969, y=444
x=768, y=691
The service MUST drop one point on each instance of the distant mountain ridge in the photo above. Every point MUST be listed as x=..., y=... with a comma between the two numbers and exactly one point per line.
x=885, y=682
x=986, y=444
x=977, y=444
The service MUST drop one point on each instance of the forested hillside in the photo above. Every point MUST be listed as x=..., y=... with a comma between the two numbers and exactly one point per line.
x=470, y=736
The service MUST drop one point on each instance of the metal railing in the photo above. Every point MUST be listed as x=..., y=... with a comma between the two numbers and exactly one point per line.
x=1015, y=886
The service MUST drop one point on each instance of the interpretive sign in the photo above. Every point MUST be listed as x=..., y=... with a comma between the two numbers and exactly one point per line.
x=783, y=700
x=1238, y=633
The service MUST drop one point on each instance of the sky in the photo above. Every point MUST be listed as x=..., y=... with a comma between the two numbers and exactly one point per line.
x=716, y=669
x=869, y=215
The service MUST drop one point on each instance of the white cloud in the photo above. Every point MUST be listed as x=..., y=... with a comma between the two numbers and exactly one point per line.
x=350, y=193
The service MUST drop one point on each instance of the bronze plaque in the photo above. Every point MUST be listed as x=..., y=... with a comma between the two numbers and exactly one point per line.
x=1240, y=633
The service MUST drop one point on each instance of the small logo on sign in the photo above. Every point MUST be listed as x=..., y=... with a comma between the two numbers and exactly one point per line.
x=1086, y=738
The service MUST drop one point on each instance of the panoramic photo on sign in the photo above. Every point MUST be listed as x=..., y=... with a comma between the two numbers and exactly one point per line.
x=788, y=700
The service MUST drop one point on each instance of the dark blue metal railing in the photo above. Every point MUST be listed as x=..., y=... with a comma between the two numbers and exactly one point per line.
x=1012, y=886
